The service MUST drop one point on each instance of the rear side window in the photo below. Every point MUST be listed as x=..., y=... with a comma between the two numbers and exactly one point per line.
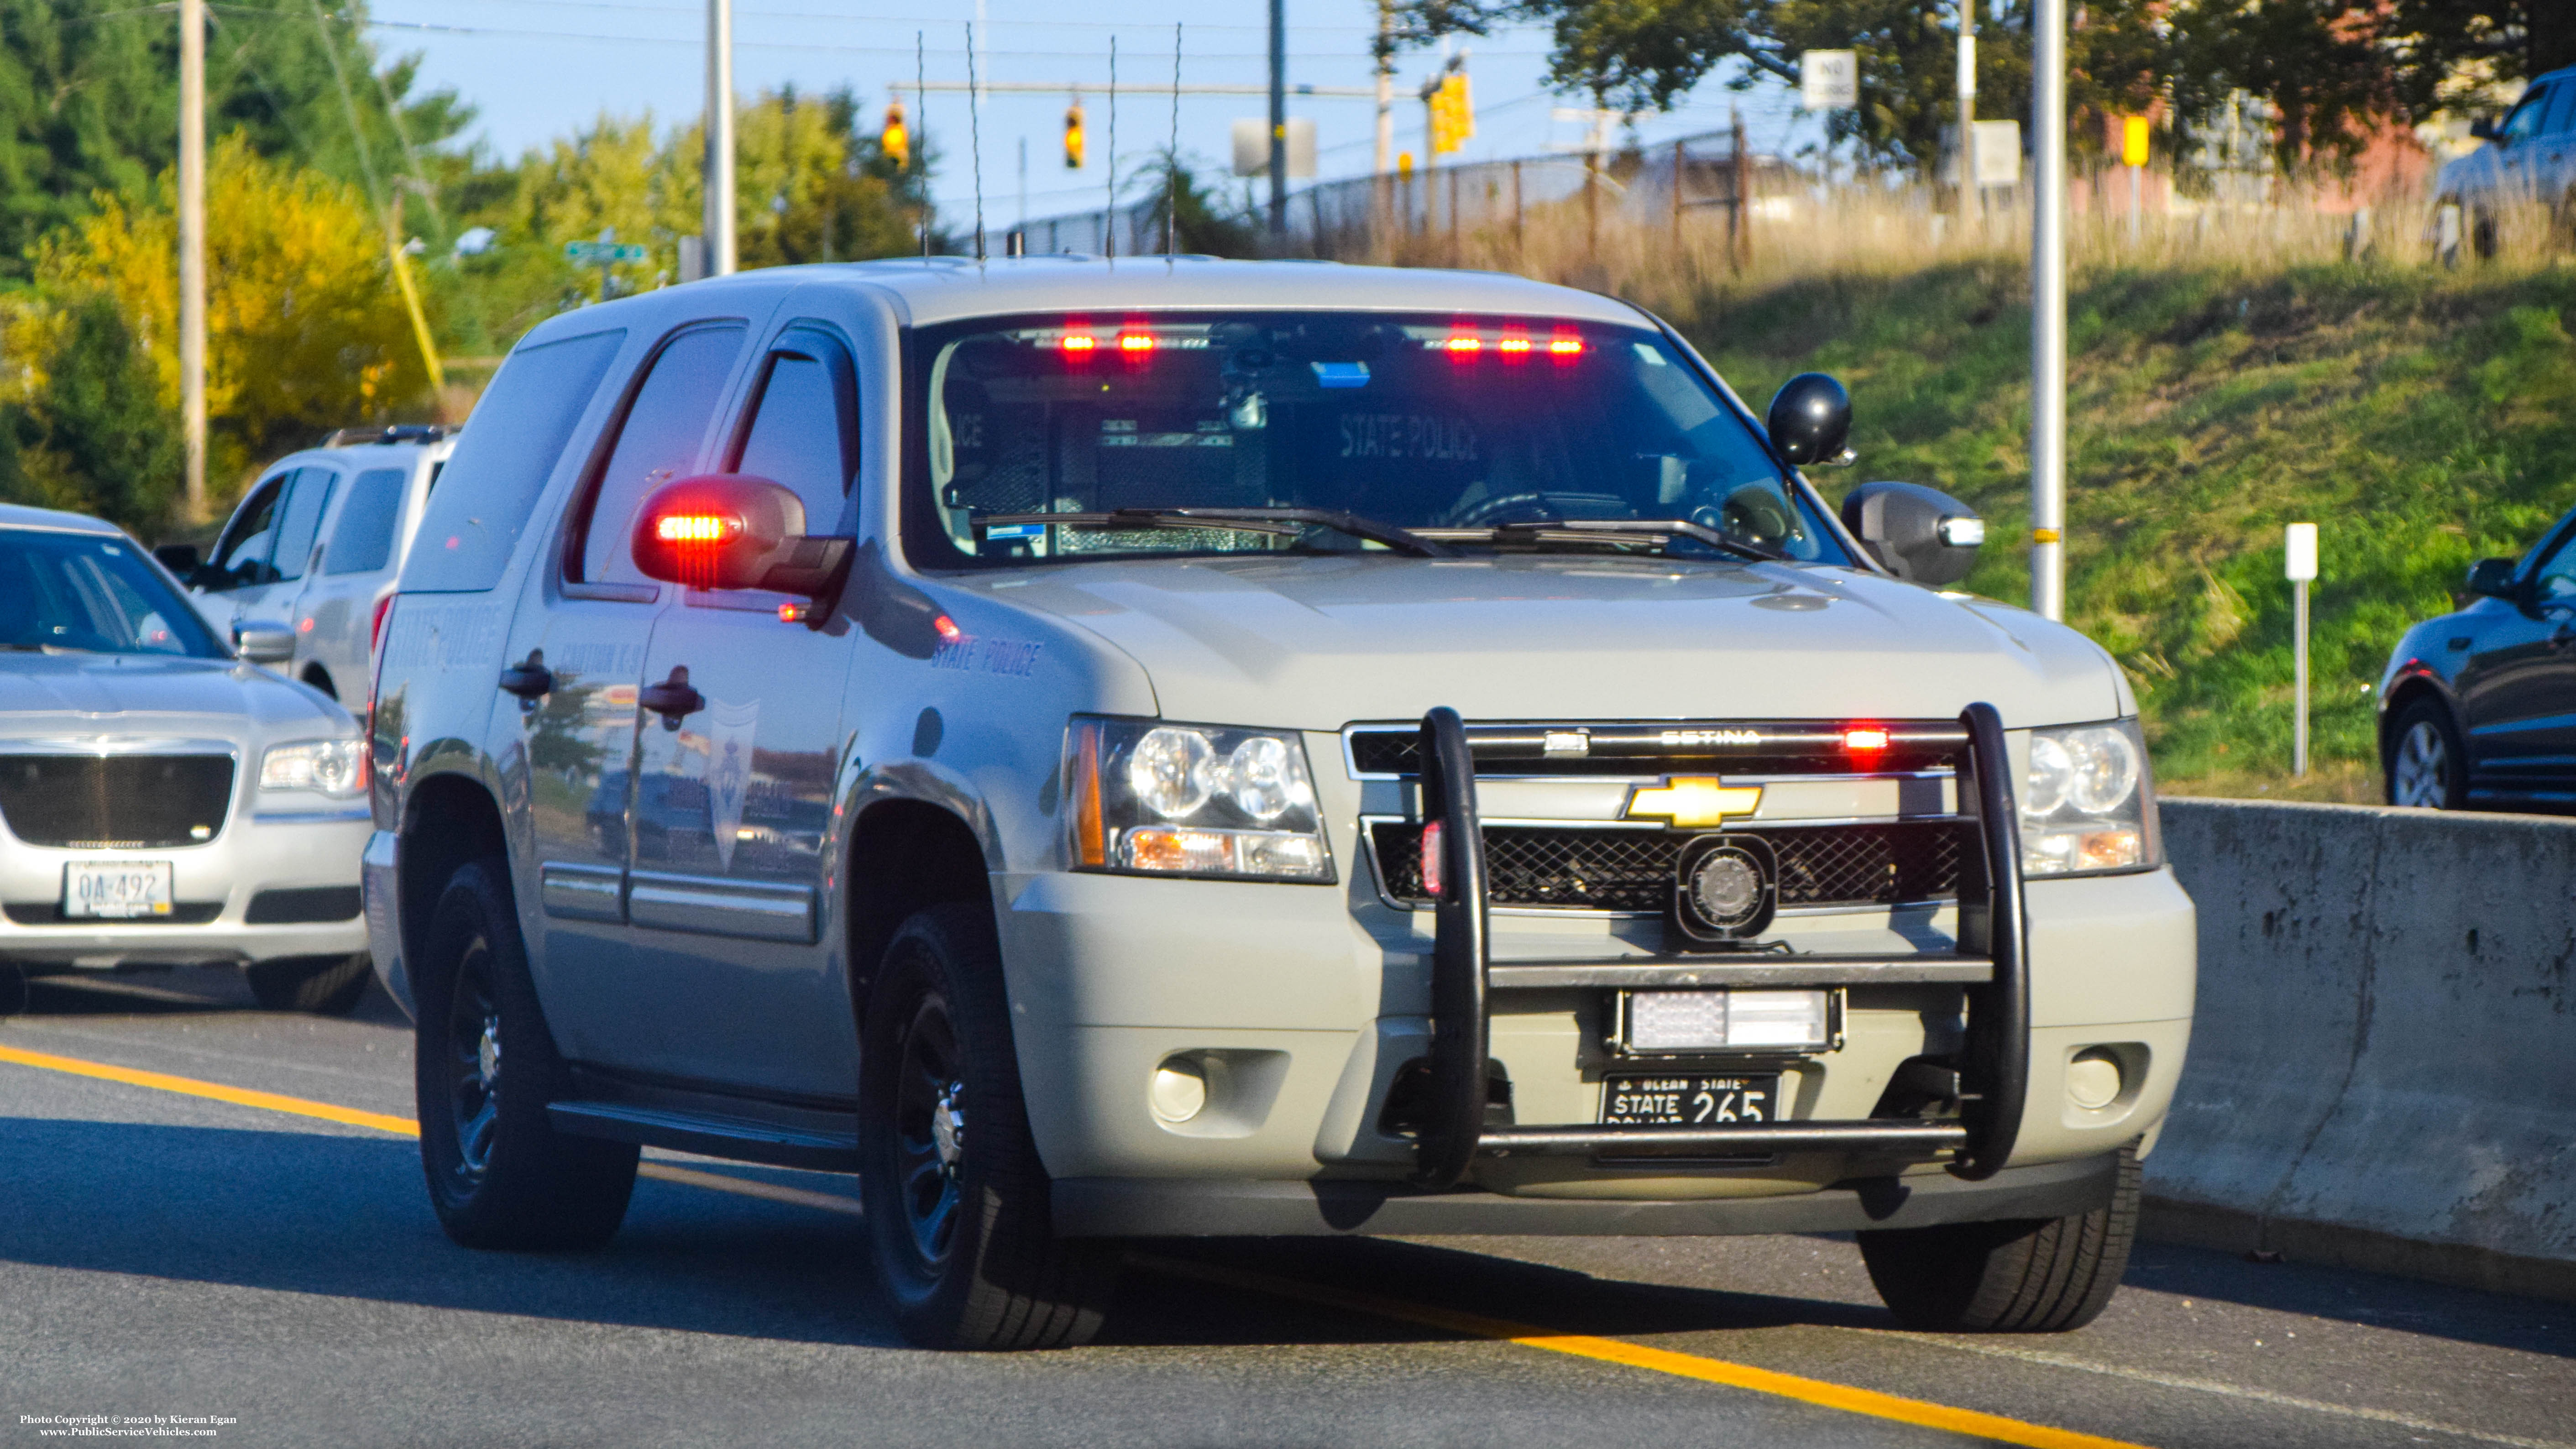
x=502, y=463
x=805, y=432
x=362, y=541
x=301, y=520
x=658, y=440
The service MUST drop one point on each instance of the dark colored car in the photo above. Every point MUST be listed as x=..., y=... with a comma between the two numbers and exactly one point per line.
x=2478, y=707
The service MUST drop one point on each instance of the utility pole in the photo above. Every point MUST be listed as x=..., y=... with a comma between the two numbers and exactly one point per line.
x=1966, y=147
x=719, y=163
x=2048, y=311
x=1278, y=118
x=1385, y=85
x=192, y=249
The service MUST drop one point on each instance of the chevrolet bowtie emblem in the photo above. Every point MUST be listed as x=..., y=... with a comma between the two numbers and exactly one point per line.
x=1692, y=802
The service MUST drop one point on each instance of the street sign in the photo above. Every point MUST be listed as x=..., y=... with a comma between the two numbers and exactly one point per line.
x=2133, y=141
x=1997, y=153
x=1829, y=80
x=598, y=253
x=2299, y=554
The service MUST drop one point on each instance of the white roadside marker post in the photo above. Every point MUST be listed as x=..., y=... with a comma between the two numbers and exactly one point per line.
x=2299, y=562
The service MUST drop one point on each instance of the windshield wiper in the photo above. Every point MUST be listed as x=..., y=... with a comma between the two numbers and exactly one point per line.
x=1659, y=532
x=1281, y=522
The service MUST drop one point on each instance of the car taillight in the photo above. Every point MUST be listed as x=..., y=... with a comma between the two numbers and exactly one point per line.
x=376, y=626
x=1432, y=874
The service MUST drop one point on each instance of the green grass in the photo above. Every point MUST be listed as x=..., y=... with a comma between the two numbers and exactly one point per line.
x=2421, y=419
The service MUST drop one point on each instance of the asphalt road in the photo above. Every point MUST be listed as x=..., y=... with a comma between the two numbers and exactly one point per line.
x=163, y=1253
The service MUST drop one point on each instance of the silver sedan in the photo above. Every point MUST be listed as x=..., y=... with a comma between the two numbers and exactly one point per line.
x=165, y=801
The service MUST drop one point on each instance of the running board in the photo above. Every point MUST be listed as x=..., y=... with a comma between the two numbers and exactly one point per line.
x=709, y=1136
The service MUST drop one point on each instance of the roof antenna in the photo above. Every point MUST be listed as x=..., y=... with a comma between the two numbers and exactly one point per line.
x=975, y=139
x=921, y=124
x=1172, y=158
x=1109, y=217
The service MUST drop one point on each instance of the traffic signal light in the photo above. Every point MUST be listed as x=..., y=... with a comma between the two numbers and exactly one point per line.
x=1452, y=114
x=895, y=141
x=1073, y=137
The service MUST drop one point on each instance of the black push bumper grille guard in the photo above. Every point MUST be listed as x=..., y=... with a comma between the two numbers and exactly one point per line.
x=1994, y=1067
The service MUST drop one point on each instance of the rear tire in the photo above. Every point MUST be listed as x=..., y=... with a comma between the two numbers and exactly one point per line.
x=956, y=1198
x=484, y=1068
x=2044, y=1276
x=324, y=985
x=2427, y=766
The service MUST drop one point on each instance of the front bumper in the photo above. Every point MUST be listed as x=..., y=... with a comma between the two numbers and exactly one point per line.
x=1304, y=1005
x=215, y=885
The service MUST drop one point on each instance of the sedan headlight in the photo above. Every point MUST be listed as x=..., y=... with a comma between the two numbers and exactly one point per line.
x=334, y=768
x=2087, y=804
x=1192, y=800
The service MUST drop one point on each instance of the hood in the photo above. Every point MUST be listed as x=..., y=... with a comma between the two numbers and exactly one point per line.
x=148, y=694
x=1316, y=643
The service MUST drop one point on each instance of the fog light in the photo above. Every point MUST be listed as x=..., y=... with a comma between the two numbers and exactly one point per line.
x=1179, y=1091
x=2093, y=1079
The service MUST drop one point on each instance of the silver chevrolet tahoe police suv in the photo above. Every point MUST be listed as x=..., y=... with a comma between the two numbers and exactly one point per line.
x=1186, y=747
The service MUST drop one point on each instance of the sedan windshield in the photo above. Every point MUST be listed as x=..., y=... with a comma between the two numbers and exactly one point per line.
x=92, y=593
x=1465, y=432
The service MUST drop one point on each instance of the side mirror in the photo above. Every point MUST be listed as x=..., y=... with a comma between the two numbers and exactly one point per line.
x=2491, y=578
x=264, y=643
x=1810, y=420
x=731, y=531
x=2484, y=128
x=181, y=559
x=1919, y=534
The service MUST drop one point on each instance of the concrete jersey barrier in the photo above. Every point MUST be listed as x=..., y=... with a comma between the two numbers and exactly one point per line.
x=2383, y=1062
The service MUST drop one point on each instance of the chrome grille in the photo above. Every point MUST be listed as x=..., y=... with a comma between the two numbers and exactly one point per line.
x=1592, y=868
x=115, y=802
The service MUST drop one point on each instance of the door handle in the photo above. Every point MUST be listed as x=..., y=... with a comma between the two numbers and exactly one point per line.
x=672, y=699
x=529, y=679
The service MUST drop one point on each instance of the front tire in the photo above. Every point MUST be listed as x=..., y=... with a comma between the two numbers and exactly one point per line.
x=2044, y=1276
x=323, y=985
x=2427, y=767
x=955, y=1194
x=484, y=1068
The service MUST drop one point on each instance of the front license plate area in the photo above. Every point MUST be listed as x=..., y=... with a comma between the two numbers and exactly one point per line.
x=1688, y=1101
x=117, y=890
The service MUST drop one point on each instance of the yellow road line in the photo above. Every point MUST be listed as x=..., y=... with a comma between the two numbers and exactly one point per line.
x=214, y=1091
x=400, y=1126
x=1606, y=1350
x=1683, y=1365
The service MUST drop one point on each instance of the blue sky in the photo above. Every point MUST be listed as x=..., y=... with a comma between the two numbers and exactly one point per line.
x=537, y=69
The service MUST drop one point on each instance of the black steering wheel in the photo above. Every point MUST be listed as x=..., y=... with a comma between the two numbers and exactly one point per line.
x=1530, y=507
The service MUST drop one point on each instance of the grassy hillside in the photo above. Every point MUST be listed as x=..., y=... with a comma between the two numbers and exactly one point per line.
x=2421, y=419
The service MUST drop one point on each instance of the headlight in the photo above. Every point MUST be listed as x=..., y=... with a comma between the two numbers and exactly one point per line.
x=1162, y=799
x=336, y=768
x=2086, y=802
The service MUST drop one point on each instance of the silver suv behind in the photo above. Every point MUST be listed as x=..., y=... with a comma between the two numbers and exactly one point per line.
x=1196, y=747
x=315, y=545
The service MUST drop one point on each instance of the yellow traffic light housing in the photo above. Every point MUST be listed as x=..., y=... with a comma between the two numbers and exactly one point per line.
x=1073, y=137
x=895, y=140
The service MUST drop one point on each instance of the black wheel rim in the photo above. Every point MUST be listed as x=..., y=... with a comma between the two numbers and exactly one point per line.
x=474, y=1061
x=929, y=1130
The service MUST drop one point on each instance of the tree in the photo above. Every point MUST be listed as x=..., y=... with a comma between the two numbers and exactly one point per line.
x=96, y=437
x=304, y=330
x=89, y=104
x=1193, y=213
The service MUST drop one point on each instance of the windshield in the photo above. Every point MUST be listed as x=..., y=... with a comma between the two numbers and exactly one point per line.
x=1458, y=426
x=94, y=593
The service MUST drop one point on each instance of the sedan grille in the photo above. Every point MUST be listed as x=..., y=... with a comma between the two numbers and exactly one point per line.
x=115, y=802
x=1588, y=868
